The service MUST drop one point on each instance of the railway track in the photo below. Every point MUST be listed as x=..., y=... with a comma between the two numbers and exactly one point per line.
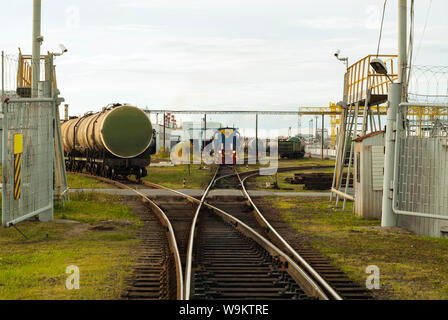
x=333, y=280
x=158, y=273
x=229, y=250
x=227, y=259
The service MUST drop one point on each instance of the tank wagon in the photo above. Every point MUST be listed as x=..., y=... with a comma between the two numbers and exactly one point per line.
x=119, y=140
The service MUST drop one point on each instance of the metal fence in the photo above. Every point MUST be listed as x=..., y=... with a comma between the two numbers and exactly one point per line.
x=421, y=174
x=28, y=152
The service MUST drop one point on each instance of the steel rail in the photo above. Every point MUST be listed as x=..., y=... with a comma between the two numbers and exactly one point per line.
x=294, y=269
x=189, y=257
x=296, y=272
x=164, y=220
x=278, y=240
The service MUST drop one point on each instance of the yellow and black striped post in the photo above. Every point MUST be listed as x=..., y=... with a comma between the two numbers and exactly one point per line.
x=18, y=150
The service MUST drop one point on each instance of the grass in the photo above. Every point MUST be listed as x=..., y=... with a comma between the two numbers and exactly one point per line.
x=291, y=163
x=306, y=162
x=76, y=181
x=101, y=245
x=89, y=207
x=172, y=177
x=411, y=267
x=259, y=183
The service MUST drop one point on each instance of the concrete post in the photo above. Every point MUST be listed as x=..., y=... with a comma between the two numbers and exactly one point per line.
x=322, y=139
x=205, y=131
x=397, y=94
x=388, y=218
x=37, y=41
x=164, y=132
x=256, y=138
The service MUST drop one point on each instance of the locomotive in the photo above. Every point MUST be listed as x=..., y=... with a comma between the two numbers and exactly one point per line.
x=119, y=140
x=227, y=145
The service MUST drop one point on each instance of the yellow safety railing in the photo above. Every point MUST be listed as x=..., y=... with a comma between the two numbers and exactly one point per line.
x=24, y=71
x=361, y=77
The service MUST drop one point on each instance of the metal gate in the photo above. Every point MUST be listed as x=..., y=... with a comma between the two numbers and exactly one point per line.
x=28, y=153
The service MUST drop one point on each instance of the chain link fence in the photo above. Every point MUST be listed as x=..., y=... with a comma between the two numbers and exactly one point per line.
x=28, y=153
x=422, y=154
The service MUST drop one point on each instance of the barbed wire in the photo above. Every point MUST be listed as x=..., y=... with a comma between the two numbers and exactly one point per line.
x=11, y=73
x=11, y=63
x=428, y=84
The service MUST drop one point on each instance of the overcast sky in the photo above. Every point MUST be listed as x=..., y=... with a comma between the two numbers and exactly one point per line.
x=257, y=54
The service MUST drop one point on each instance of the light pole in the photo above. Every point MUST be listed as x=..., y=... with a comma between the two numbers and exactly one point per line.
x=396, y=95
x=37, y=42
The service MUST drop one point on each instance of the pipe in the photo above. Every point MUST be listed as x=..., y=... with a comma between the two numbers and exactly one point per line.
x=342, y=194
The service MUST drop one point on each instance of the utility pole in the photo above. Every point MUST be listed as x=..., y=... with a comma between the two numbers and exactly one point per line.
x=205, y=131
x=322, y=139
x=164, y=132
x=397, y=94
x=37, y=42
x=3, y=75
x=256, y=138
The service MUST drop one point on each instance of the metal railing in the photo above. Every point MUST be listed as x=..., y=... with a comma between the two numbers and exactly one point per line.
x=361, y=77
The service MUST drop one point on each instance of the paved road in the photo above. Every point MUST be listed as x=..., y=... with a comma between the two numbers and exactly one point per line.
x=198, y=193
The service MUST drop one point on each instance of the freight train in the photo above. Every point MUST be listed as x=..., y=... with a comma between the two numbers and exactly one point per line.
x=292, y=148
x=119, y=140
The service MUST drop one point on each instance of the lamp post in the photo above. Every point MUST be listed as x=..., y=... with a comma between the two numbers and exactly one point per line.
x=37, y=42
x=397, y=94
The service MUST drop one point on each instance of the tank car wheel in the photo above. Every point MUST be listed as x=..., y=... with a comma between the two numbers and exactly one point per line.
x=100, y=170
x=139, y=174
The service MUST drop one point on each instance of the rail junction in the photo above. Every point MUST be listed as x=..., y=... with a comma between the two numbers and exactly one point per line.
x=226, y=248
